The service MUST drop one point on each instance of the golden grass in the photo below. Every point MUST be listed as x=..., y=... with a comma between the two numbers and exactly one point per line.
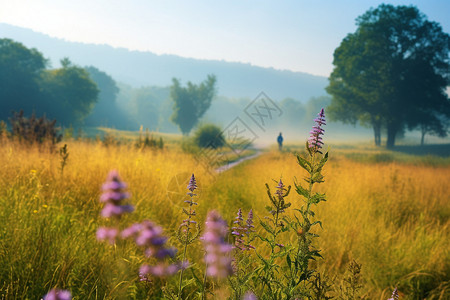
x=393, y=218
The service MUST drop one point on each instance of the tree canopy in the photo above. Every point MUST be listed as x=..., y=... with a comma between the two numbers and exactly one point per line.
x=20, y=70
x=191, y=102
x=66, y=94
x=69, y=92
x=392, y=72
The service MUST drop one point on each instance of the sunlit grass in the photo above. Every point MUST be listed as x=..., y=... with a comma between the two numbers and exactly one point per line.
x=392, y=217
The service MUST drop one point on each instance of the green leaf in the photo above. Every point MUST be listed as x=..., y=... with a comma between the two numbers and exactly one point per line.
x=317, y=198
x=309, y=149
x=266, y=227
x=304, y=163
x=288, y=260
x=197, y=280
x=317, y=177
x=301, y=191
x=317, y=222
x=321, y=163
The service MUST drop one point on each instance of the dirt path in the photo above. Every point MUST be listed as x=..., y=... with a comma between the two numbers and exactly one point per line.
x=237, y=162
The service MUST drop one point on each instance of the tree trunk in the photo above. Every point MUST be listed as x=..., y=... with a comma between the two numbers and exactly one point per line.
x=422, y=140
x=377, y=133
x=391, y=133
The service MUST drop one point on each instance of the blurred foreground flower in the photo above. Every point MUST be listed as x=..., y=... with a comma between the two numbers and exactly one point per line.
x=249, y=296
x=55, y=294
x=217, y=250
x=146, y=234
x=113, y=195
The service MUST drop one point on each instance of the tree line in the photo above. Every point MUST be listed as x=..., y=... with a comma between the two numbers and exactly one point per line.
x=66, y=94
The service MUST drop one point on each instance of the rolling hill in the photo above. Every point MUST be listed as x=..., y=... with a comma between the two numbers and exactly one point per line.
x=137, y=68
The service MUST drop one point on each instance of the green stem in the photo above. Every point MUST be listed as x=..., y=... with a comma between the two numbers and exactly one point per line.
x=186, y=243
x=204, y=283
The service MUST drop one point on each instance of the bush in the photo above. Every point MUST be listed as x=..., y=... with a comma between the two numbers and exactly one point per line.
x=34, y=130
x=209, y=136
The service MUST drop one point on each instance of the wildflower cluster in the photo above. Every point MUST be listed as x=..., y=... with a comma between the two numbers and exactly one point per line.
x=283, y=272
x=113, y=196
x=145, y=234
x=149, y=236
x=243, y=230
x=217, y=249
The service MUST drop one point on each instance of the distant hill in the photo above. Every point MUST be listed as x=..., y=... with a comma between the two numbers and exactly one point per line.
x=148, y=69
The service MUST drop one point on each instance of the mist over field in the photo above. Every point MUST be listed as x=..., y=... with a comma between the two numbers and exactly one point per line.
x=143, y=96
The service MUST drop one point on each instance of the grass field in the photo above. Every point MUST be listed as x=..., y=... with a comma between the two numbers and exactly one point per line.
x=388, y=211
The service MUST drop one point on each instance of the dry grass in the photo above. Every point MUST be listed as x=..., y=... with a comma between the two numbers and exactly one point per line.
x=391, y=217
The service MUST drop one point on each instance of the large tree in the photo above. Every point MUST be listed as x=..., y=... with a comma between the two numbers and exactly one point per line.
x=191, y=102
x=20, y=70
x=392, y=70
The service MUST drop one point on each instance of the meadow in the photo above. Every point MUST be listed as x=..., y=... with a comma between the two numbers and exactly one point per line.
x=390, y=215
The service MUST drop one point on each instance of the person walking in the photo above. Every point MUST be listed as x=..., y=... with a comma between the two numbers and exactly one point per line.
x=280, y=142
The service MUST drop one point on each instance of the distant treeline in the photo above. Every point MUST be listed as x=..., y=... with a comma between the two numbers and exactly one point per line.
x=86, y=96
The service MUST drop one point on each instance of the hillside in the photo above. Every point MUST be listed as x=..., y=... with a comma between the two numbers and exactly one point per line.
x=146, y=68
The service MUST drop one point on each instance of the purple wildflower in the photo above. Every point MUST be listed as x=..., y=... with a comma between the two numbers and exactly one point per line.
x=192, y=184
x=55, y=294
x=242, y=230
x=113, y=195
x=249, y=296
x=315, y=140
x=395, y=295
x=149, y=236
x=217, y=259
x=280, y=189
x=250, y=220
x=161, y=269
x=105, y=233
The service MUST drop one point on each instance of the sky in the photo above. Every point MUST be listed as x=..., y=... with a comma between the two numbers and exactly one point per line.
x=293, y=35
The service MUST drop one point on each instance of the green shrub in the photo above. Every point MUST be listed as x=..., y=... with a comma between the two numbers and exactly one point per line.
x=209, y=136
x=34, y=130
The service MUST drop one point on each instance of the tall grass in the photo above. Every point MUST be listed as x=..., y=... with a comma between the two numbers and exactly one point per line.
x=48, y=220
x=392, y=218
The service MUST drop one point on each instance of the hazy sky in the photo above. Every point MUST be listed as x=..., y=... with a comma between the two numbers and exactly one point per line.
x=295, y=35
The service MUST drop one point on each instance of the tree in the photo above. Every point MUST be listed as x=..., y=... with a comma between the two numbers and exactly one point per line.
x=191, y=102
x=394, y=68
x=433, y=123
x=70, y=93
x=20, y=69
